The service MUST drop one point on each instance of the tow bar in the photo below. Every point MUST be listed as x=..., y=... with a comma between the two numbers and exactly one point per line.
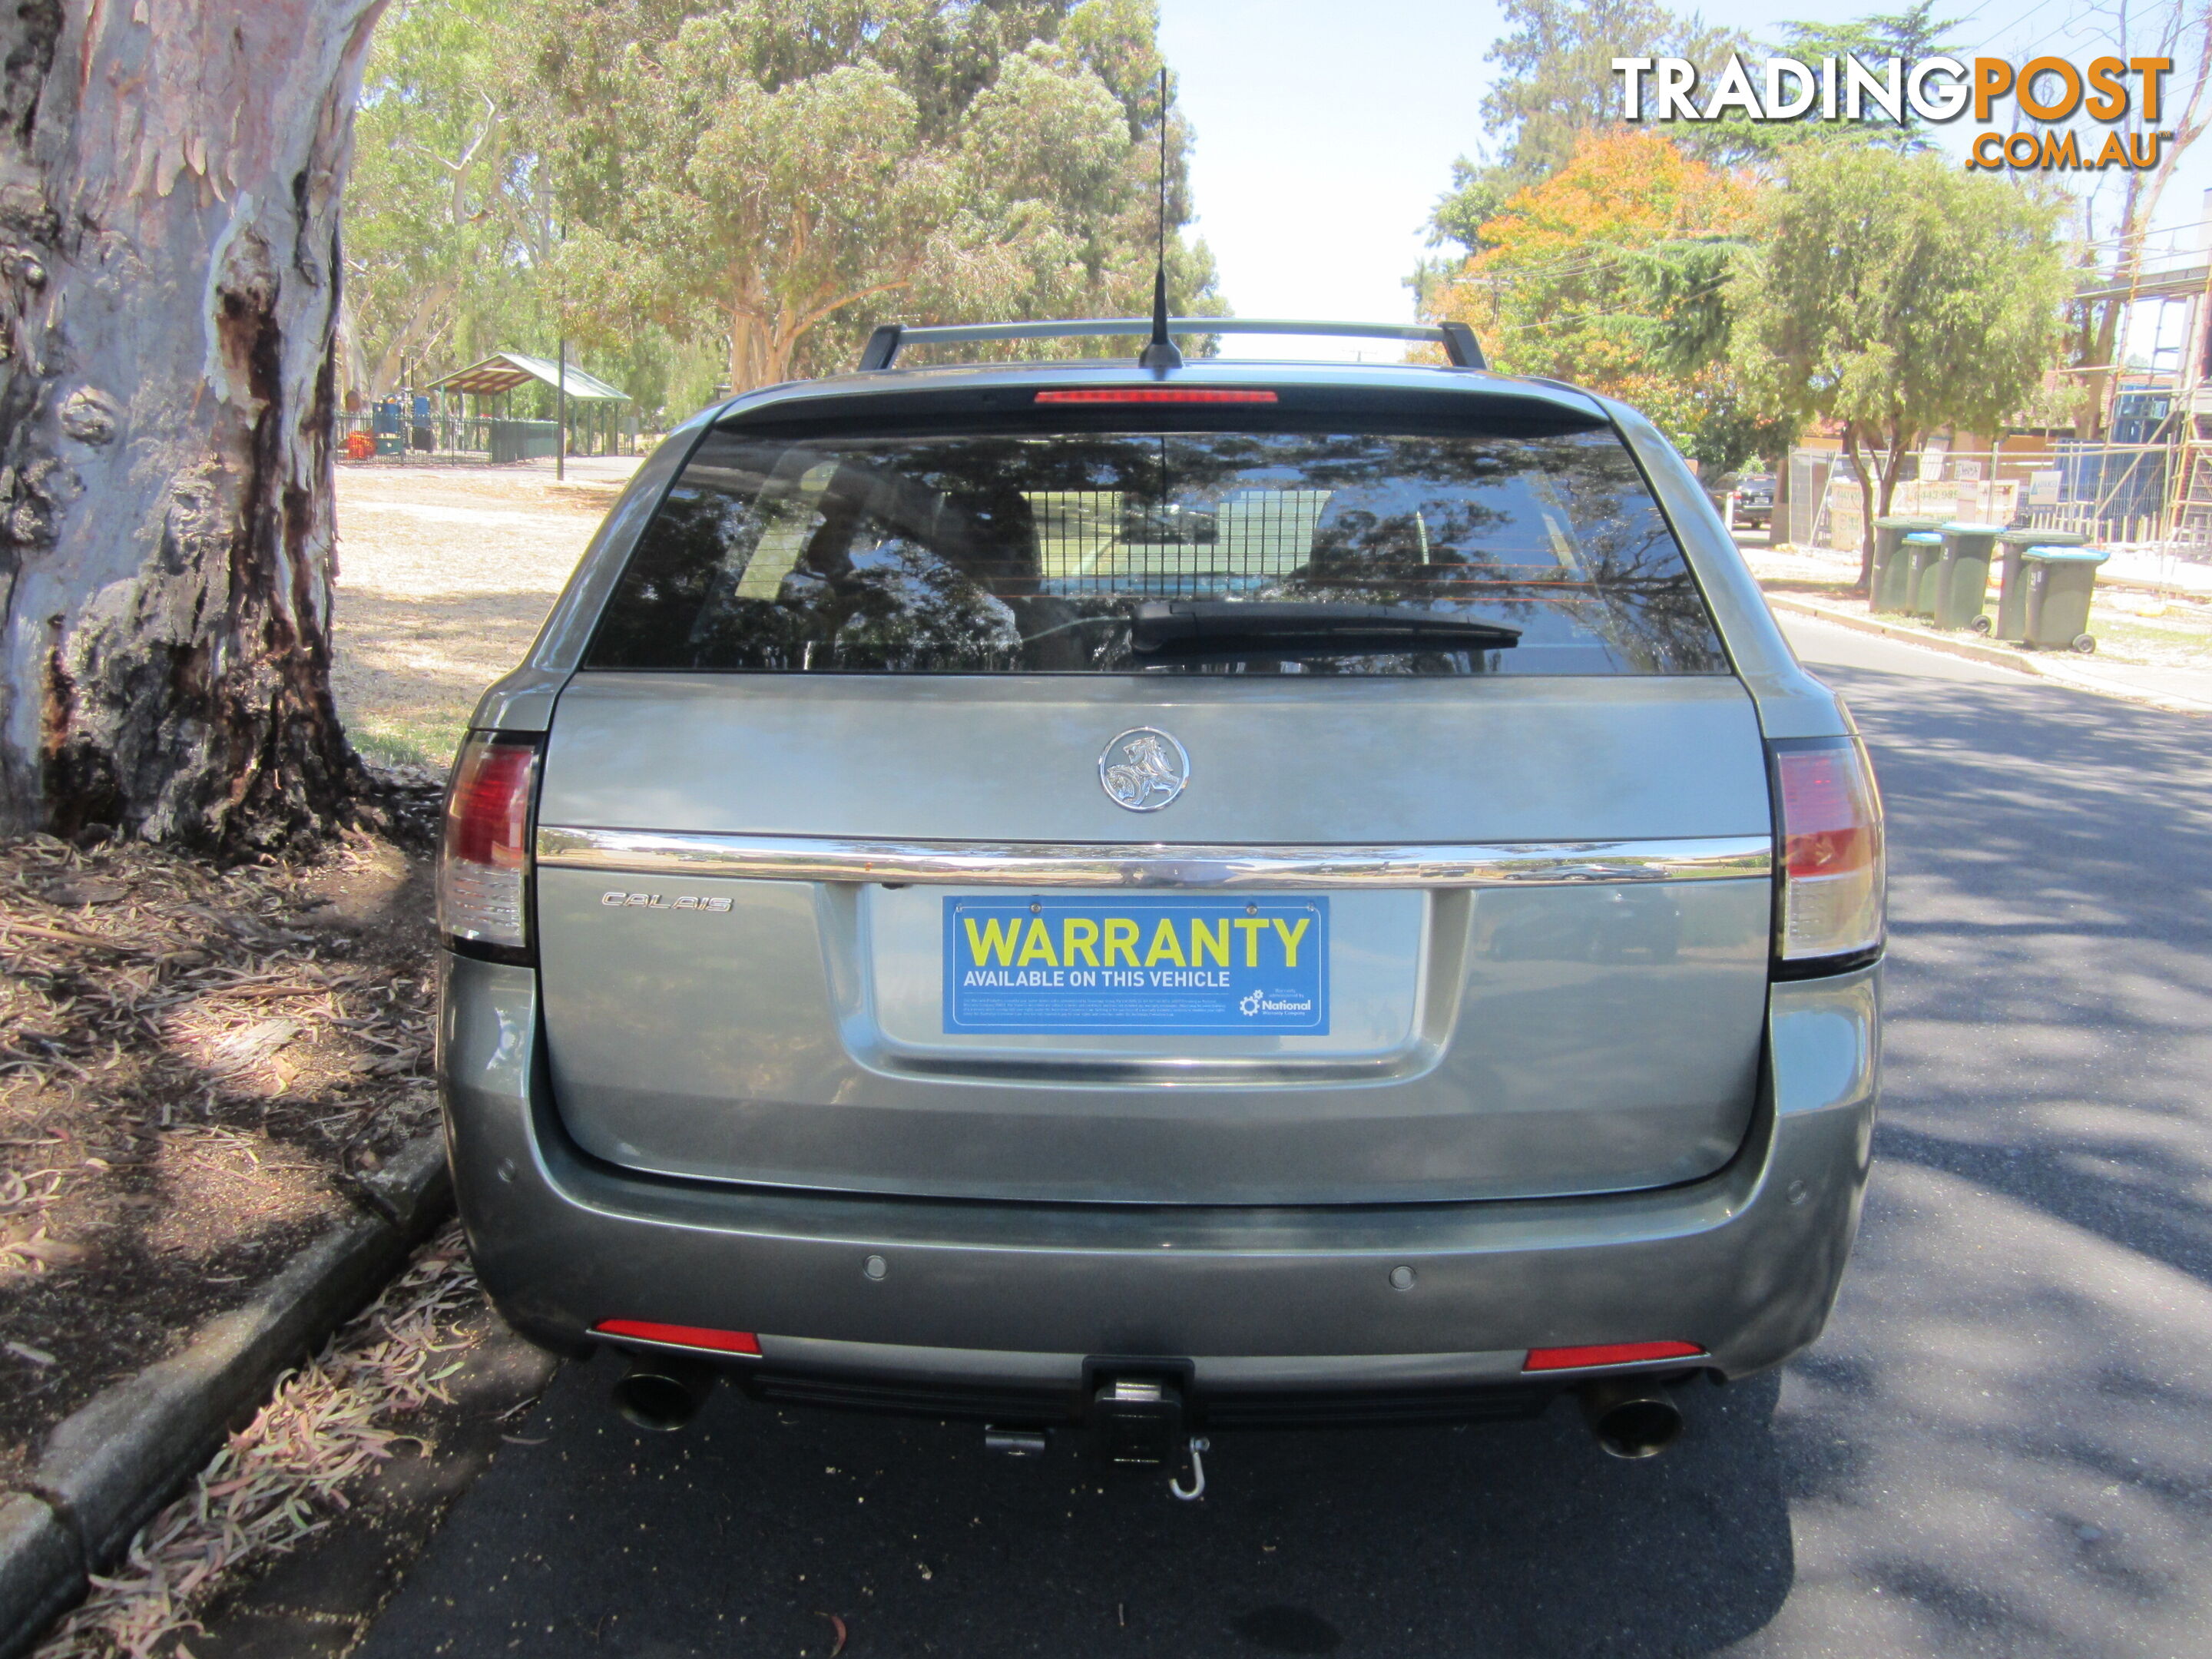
x=1137, y=1420
x=1140, y=1419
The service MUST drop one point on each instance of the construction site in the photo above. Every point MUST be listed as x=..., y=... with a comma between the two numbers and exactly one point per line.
x=2129, y=467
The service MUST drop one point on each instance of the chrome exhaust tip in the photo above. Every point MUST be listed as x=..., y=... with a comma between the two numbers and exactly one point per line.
x=1632, y=1418
x=662, y=1392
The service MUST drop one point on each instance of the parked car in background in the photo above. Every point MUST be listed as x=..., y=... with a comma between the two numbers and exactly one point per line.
x=1753, y=501
x=1151, y=900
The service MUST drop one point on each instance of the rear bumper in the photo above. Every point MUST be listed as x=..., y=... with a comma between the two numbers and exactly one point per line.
x=985, y=1301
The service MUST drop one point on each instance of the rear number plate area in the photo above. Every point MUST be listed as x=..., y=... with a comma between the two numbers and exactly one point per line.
x=1166, y=965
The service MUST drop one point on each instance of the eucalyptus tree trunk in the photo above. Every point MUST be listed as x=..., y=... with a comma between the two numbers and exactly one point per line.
x=170, y=175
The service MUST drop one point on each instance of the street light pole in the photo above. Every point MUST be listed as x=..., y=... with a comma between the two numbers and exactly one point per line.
x=561, y=419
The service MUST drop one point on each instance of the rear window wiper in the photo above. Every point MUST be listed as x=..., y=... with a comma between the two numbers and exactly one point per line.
x=1217, y=627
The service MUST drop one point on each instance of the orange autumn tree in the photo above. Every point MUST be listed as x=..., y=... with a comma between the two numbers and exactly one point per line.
x=1612, y=274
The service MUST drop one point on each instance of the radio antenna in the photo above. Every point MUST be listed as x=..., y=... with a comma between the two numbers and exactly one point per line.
x=1160, y=354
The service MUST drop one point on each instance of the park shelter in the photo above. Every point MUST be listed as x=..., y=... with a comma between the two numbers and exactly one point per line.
x=594, y=407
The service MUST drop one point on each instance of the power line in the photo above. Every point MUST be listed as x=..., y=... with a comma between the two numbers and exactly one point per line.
x=2015, y=23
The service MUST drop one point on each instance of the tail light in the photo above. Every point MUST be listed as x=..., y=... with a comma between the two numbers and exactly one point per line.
x=1829, y=903
x=483, y=873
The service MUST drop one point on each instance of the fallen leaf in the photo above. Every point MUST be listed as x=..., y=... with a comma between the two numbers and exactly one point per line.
x=251, y=1046
x=52, y=1251
x=60, y=935
x=87, y=892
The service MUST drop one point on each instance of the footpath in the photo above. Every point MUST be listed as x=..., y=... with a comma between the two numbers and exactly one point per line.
x=2131, y=589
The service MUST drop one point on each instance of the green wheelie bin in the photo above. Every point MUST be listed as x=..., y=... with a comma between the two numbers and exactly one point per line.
x=1920, y=555
x=2012, y=596
x=1962, y=582
x=2060, y=583
x=1889, y=590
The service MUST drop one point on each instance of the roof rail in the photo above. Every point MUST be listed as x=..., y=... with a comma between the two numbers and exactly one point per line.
x=1460, y=347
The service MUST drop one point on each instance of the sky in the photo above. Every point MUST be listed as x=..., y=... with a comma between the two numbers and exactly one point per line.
x=1326, y=130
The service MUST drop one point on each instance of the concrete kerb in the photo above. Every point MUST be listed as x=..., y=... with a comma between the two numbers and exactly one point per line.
x=2060, y=670
x=108, y=1468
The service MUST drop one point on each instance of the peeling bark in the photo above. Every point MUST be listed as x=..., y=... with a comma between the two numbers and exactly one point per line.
x=170, y=178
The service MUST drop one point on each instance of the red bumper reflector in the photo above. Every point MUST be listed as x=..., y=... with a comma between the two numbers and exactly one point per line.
x=684, y=1336
x=1156, y=395
x=1607, y=1353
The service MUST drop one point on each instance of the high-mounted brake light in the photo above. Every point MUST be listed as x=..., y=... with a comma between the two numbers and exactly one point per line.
x=1150, y=394
x=484, y=871
x=681, y=1336
x=1607, y=1353
x=1830, y=903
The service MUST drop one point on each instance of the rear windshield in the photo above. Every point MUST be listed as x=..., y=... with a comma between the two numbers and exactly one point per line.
x=1030, y=552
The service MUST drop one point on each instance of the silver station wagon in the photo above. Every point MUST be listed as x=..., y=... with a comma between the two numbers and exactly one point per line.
x=1147, y=898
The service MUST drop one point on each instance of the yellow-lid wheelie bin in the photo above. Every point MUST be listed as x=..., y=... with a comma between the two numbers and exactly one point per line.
x=2061, y=581
x=1890, y=588
x=1962, y=585
x=2012, y=597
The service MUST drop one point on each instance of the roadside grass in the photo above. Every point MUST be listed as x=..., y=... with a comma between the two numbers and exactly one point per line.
x=429, y=743
x=2137, y=627
x=2130, y=626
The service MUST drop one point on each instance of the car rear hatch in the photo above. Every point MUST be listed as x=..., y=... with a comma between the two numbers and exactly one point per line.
x=952, y=804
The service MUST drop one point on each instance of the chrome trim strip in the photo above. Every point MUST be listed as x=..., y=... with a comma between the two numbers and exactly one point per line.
x=1064, y=864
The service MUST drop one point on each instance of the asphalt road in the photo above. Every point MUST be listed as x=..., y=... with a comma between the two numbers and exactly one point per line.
x=2002, y=1446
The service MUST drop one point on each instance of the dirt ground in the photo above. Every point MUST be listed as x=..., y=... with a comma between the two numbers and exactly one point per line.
x=194, y=1064
x=444, y=574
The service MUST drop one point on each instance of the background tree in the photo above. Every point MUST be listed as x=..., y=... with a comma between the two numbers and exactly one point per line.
x=1613, y=273
x=788, y=172
x=447, y=216
x=1898, y=295
x=170, y=274
x=1554, y=83
x=1910, y=35
x=450, y=221
x=168, y=293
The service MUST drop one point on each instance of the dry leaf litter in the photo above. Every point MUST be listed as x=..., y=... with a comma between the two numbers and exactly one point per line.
x=196, y=1066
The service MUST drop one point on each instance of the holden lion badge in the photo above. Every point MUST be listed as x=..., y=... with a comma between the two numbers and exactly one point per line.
x=1144, y=769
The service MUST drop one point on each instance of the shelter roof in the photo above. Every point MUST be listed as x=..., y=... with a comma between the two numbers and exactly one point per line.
x=503, y=371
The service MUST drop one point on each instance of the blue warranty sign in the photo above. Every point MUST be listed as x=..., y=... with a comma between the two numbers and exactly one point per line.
x=1152, y=966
